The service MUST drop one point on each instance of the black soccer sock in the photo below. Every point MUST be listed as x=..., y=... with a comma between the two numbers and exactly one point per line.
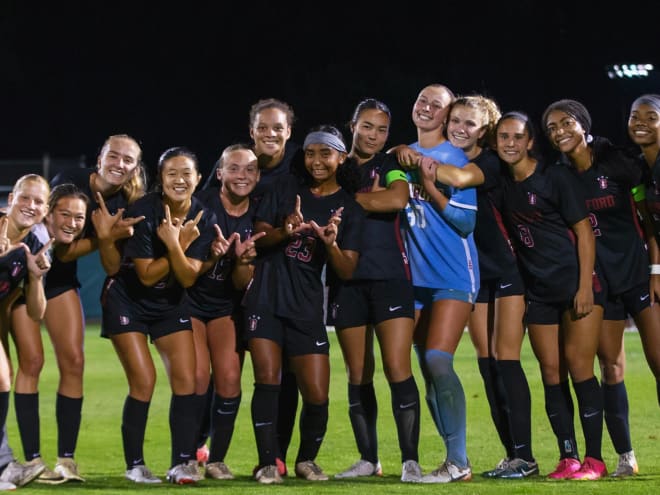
x=363, y=413
x=497, y=402
x=313, y=424
x=183, y=428
x=590, y=404
x=406, y=410
x=133, y=427
x=4, y=407
x=561, y=419
x=68, y=412
x=264, y=421
x=204, y=405
x=519, y=407
x=287, y=409
x=615, y=407
x=27, y=417
x=224, y=414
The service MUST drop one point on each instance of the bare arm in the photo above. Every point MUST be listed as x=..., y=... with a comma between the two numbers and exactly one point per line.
x=583, y=302
x=394, y=198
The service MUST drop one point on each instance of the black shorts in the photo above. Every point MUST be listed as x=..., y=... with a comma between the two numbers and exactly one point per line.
x=632, y=302
x=295, y=337
x=510, y=284
x=364, y=302
x=550, y=313
x=119, y=316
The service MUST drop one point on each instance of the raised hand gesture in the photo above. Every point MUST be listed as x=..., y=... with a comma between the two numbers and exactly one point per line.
x=295, y=222
x=168, y=230
x=328, y=233
x=39, y=263
x=246, y=251
x=5, y=243
x=189, y=231
x=220, y=246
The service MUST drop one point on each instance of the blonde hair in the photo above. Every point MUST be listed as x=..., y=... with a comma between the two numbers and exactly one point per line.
x=30, y=178
x=489, y=111
x=135, y=187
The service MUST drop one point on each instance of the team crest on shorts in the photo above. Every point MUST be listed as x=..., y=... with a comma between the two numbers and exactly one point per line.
x=124, y=320
x=253, y=320
x=602, y=182
x=333, y=310
x=531, y=198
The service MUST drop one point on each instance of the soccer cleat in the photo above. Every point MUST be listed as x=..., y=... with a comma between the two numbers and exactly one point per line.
x=310, y=471
x=519, y=468
x=67, y=469
x=6, y=486
x=218, y=471
x=184, y=473
x=565, y=469
x=202, y=455
x=591, y=469
x=411, y=472
x=268, y=475
x=448, y=472
x=21, y=474
x=141, y=474
x=501, y=466
x=627, y=465
x=361, y=468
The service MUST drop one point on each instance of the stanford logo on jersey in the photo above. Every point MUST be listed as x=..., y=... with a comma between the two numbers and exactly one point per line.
x=602, y=182
x=531, y=198
x=16, y=268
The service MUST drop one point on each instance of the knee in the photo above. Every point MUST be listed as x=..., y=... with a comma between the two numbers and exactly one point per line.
x=31, y=365
x=73, y=364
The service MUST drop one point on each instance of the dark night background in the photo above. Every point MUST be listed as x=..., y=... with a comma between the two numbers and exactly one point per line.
x=186, y=73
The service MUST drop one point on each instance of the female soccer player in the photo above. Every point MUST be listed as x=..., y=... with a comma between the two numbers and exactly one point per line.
x=118, y=177
x=546, y=214
x=145, y=300
x=438, y=224
x=217, y=320
x=378, y=299
x=309, y=220
x=607, y=174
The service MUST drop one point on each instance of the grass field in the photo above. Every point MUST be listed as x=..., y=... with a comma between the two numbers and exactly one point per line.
x=100, y=459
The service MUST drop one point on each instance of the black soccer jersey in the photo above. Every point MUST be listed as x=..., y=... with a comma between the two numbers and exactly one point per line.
x=80, y=177
x=620, y=248
x=289, y=282
x=382, y=255
x=150, y=302
x=214, y=295
x=539, y=212
x=653, y=195
x=494, y=248
x=13, y=266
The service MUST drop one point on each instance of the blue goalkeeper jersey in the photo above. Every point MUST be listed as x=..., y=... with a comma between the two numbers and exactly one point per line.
x=440, y=257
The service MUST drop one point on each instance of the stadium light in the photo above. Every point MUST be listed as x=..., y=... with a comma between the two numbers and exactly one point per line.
x=629, y=71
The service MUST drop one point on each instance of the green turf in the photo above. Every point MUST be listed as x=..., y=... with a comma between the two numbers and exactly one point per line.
x=100, y=459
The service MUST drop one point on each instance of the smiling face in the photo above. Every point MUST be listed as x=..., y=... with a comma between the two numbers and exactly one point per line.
x=644, y=125
x=564, y=132
x=431, y=108
x=118, y=160
x=465, y=127
x=239, y=173
x=270, y=131
x=370, y=132
x=513, y=141
x=27, y=204
x=322, y=161
x=67, y=219
x=179, y=178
